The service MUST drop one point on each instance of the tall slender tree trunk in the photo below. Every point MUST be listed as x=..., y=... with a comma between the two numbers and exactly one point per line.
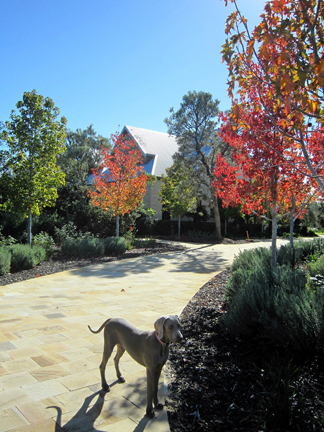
x=217, y=218
x=117, y=226
x=29, y=227
x=292, y=221
x=274, y=196
x=179, y=225
x=274, y=235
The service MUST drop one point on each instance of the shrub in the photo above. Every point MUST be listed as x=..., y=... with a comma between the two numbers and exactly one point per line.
x=283, y=406
x=300, y=251
x=24, y=257
x=44, y=240
x=82, y=248
x=5, y=260
x=68, y=230
x=142, y=243
x=129, y=237
x=93, y=247
x=274, y=304
x=114, y=245
x=198, y=234
x=317, y=267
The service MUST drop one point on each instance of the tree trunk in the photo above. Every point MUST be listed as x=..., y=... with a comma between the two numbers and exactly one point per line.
x=217, y=219
x=117, y=226
x=274, y=235
x=291, y=237
x=292, y=221
x=179, y=223
x=29, y=227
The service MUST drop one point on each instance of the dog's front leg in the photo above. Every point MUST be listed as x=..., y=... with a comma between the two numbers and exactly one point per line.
x=150, y=393
x=157, y=373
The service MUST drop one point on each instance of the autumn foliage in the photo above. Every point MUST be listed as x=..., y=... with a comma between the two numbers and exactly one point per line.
x=282, y=59
x=266, y=179
x=120, y=182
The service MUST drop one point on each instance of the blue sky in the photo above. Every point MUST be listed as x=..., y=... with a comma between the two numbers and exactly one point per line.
x=110, y=62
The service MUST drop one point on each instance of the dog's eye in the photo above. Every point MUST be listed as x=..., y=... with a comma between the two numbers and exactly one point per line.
x=171, y=327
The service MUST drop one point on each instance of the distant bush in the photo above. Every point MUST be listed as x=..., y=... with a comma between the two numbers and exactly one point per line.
x=82, y=248
x=317, y=267
x=5, y=260
x=198, y=234
x=142, y=243
x=291, y=255
x=114, y=245
x=44, y=240
x=24, y=257
x=93, y=247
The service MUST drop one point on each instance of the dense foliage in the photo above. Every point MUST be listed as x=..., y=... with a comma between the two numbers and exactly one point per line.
x=29, y=173
x=277, y=304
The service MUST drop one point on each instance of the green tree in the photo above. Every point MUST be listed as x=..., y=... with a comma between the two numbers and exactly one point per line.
x=195, y=126
x=82, y=154
x=177, y=195
x=34, y=137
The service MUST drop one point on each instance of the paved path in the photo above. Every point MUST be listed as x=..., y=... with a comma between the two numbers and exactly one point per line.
x=49, y=360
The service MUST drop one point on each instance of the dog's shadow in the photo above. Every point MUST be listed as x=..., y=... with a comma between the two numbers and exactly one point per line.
x=86, y=416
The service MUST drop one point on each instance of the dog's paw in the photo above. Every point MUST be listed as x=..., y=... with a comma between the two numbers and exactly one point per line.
x=150, y=414
x=121, y=379
x=159, y=406
x=106, y=388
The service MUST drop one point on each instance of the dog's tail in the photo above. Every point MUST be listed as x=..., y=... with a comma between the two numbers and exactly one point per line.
x=103, y=325
x=58, y=419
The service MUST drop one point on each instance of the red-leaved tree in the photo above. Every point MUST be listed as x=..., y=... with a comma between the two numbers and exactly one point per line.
x=282, y=59
x=120, y=182
x=261, y=179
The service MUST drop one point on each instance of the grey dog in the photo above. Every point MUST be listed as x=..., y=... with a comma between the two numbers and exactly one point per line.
x=150, y=349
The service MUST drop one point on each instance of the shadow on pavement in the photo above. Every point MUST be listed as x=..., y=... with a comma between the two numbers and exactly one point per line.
x=84, y=419
x=190, y=261
x=131, y=405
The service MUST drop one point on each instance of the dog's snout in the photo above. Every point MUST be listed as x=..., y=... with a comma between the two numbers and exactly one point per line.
x=179, y=337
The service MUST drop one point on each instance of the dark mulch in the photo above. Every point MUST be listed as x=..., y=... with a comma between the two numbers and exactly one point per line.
x=224, y=383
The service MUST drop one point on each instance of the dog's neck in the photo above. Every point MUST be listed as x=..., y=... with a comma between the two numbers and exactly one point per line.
x=157, y=337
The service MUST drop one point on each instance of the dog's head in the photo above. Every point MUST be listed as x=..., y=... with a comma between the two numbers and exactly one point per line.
x=168, y=328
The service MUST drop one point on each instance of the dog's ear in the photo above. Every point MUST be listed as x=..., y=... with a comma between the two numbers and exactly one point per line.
x=158, y=325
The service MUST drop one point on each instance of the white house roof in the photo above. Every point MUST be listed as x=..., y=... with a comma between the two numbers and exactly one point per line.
x=157, y=147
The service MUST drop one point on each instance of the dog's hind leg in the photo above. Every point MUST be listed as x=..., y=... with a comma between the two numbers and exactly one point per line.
x=120, y=352
x=108, y=348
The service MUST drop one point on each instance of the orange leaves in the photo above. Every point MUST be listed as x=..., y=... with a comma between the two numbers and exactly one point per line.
x=230, y=22
x=290, y=57
x=120, y=183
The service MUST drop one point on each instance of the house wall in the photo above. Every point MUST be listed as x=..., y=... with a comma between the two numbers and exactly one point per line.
x=151, y=198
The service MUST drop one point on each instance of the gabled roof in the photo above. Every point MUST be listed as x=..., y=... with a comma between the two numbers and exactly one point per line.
x=157, y=147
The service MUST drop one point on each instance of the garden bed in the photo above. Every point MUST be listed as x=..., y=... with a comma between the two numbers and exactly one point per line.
x=225, y=383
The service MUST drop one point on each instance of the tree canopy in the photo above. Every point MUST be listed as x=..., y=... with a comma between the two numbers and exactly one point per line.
x=82, y=154
x=120, y=182
x=195, y=127
x=283, y=60
x=29, y=173
x=177, y=194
